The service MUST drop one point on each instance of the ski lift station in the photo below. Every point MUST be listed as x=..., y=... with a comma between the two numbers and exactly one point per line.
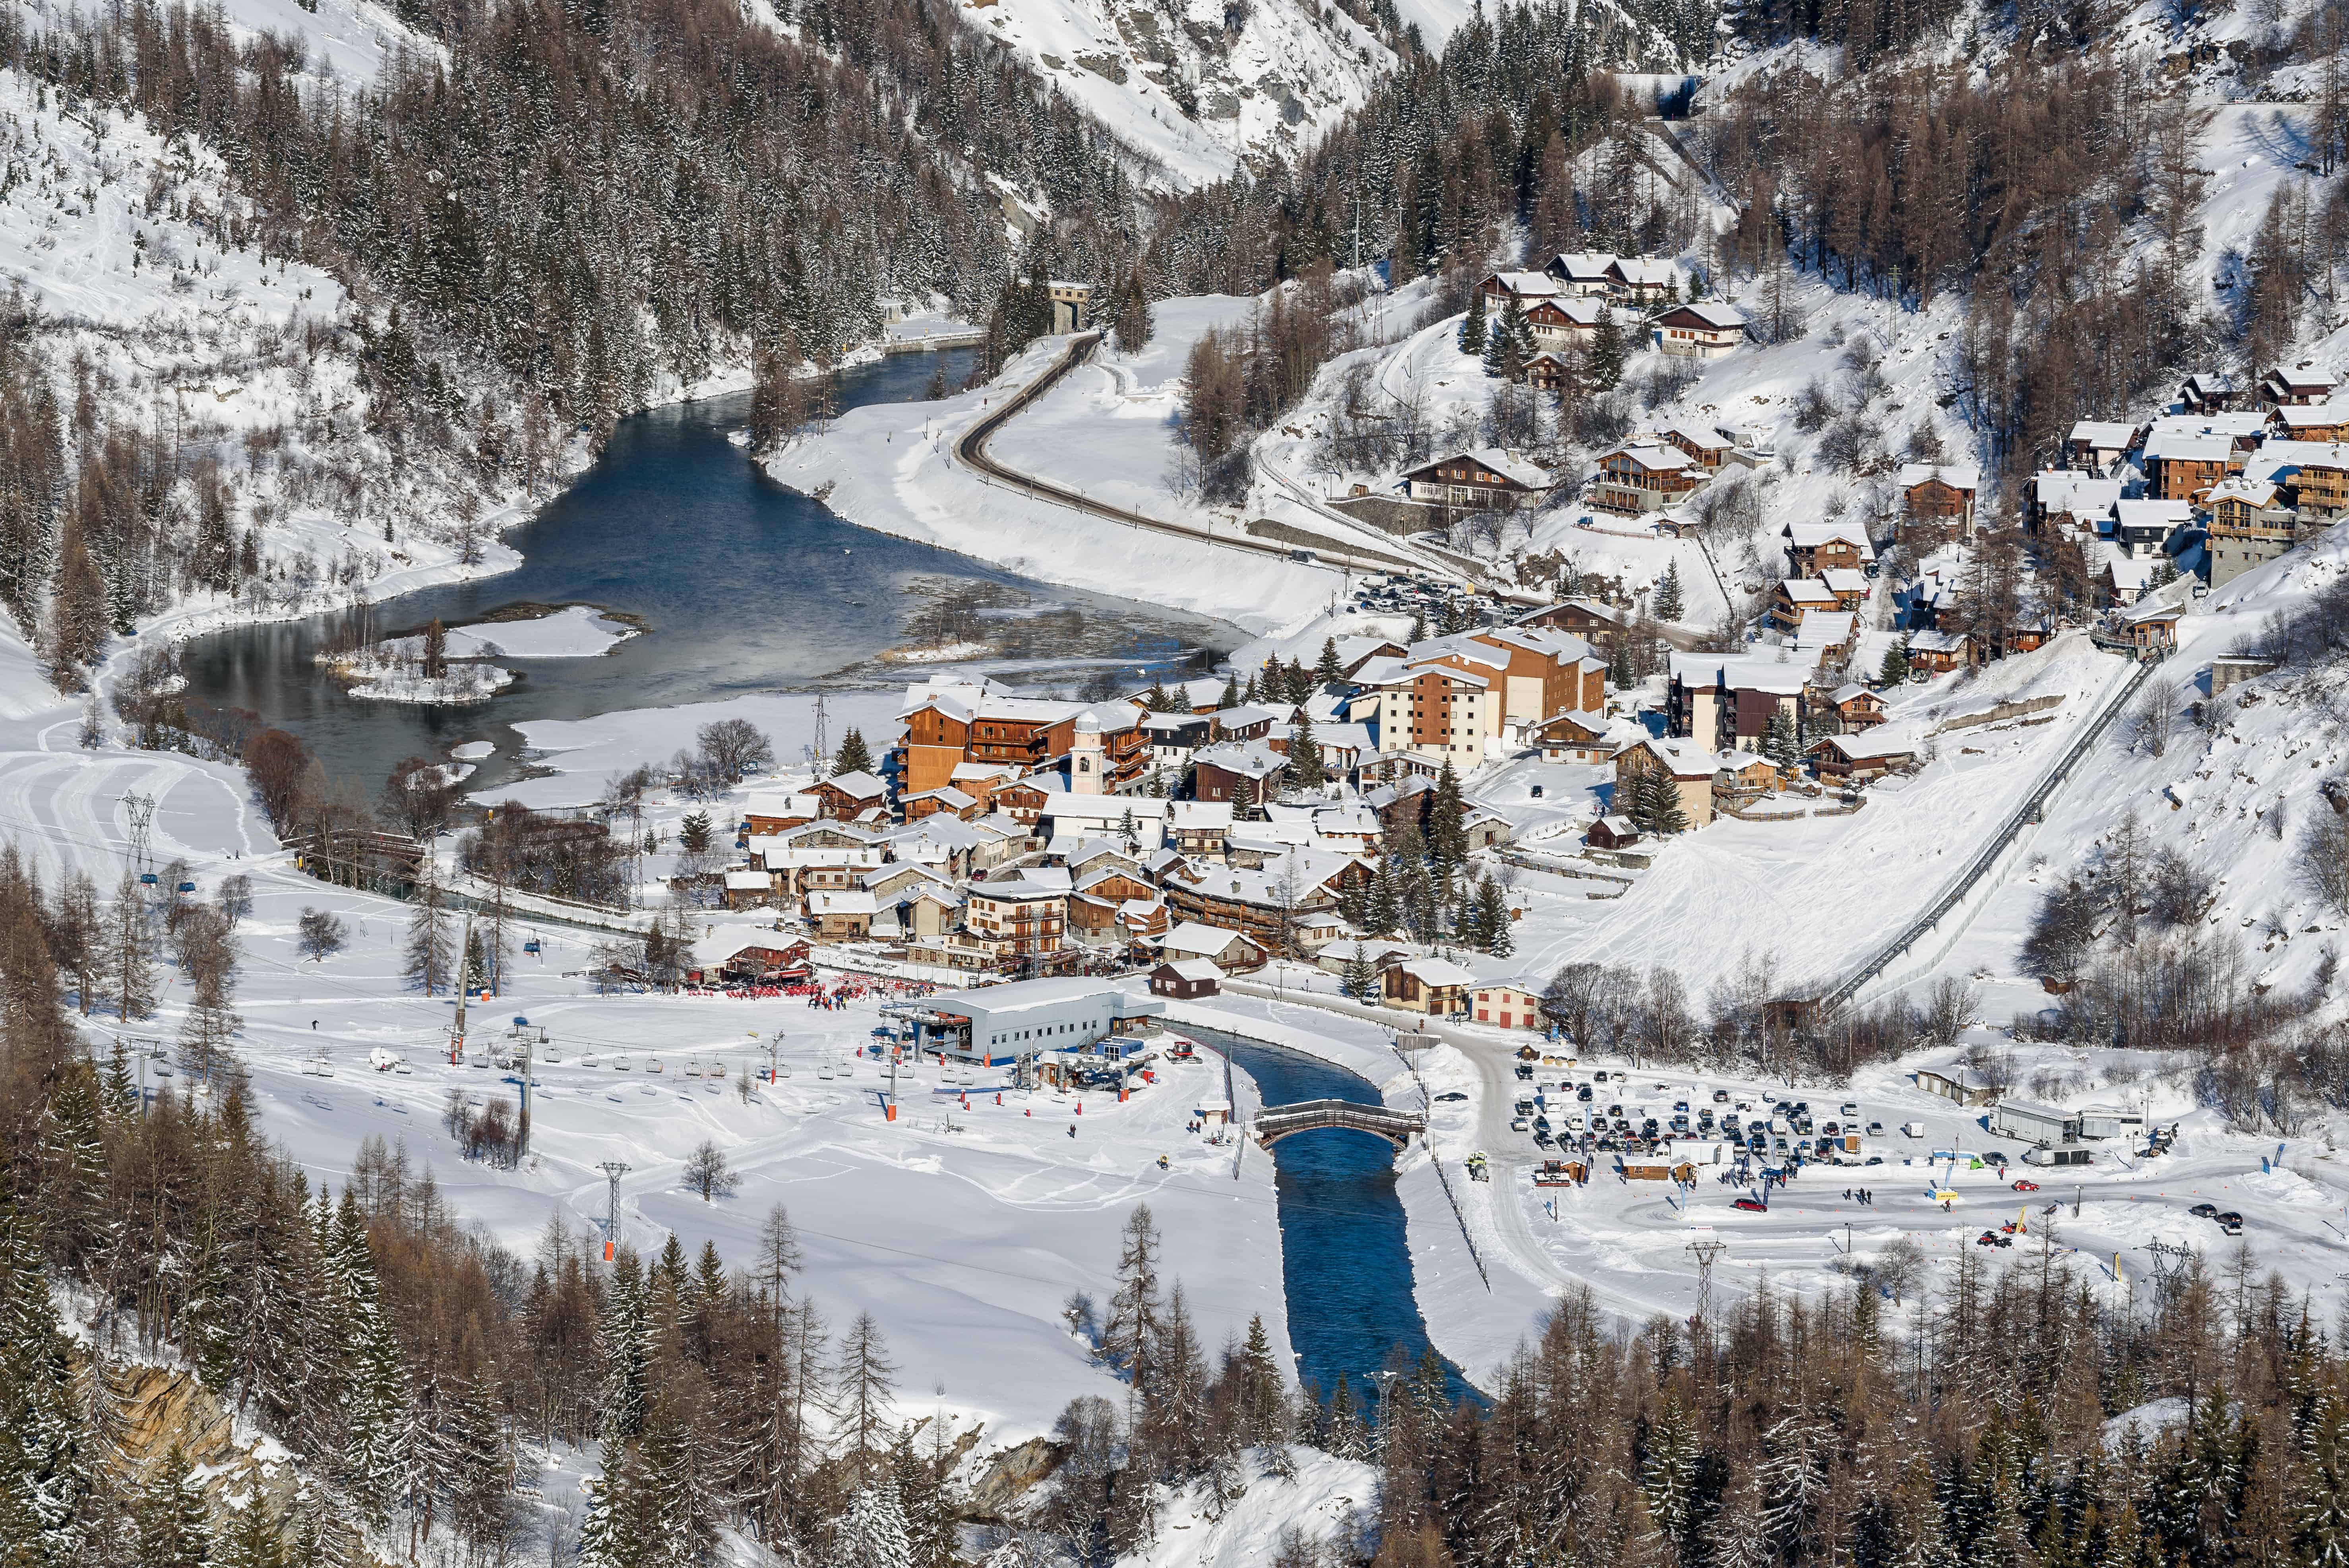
x=994, y=1026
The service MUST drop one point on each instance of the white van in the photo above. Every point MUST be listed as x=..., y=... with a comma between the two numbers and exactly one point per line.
x=1912, y=1128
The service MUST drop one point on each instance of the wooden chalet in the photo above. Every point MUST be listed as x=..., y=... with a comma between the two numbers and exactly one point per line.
x=1596, y=623
x=2297, y=386
x=1856, y=758
x=1854, y=708
x=2212, y=392
x=1612, y=832
x=1187, y=978
x=1939, y=495
x=1435, y=986
x=1700, y=331
x=2154, y=633
x=1814, y=549
x=1564, y=322
x=1573, y=736
x=2312, y=421
x=848, y=796
x=1486, y=480
x=1643, y=477
x=1939, y=652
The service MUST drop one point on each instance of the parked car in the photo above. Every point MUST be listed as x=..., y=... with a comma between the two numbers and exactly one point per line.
x=2204, y=1211
x=1516, y=1124
x=2231, y=1222
x=1582, y=1091
x=1875, y=1129
x=1524, y=1070
x=1721, y=1097
x=1850, y=1109
x=1451, y=1094
x=2026, y=1186
x=1751, y=1205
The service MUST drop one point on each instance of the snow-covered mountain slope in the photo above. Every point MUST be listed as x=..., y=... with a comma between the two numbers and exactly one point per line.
x=350, y=41
x=2236, y=794
x=1198, y=84
x=139, y=264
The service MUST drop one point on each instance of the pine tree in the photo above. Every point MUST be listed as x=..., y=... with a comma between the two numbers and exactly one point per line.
x=1360, y=980
x=46, y=1477
x=872, y=1535
x=130, y=951
x=1602, y=361
x=1231, y=697
x=924, y=1496
x=477, y=964
x=1782, y=744
x=172, y=1525
x=427, y=955
x=1471, y=330
x=1895, y=668
x=1418, y=629
x=1304, y=754
x=1263, y=1399
x=1136, y=323
x=1667, y=604
x=853, y=756
x=1492, y=918
x=1447, y=823
x=1328, y=670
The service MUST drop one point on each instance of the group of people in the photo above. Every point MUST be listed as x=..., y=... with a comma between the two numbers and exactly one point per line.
x=1865, y=1197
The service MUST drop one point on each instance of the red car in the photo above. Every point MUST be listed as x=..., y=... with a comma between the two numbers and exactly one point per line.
x=1992, y=1239
x=2026, y=1186
x=1752, y=1205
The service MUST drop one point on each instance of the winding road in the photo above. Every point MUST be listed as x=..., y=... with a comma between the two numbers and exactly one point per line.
x=971, y=451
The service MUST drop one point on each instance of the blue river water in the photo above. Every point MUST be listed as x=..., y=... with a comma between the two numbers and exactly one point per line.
x=1345, y=1264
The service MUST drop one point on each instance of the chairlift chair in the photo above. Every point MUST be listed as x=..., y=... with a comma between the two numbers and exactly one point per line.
x=693, y=1067
x=823, y=1069
x=591, y=1060
x=621, y=1063
x=652, y=1064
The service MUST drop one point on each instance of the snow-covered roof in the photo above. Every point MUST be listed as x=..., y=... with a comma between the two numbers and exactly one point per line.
x=747, y=881
x=2296, y=416
x=1436, y=971
x=1956, y=476
x=841, y=901
x=1195, y=970
x=1846, y=579
x=2078, y=494
x=1811, y=535
x=1937, y=641
x=1686, y=758
x=795, y=804
x=1874, y=745
x=1582, y=266
x=2128, y=572
x=1656, y=457
x=1697, y=431
x=2164, y=515
x=1194, y=939
x=1807, y=590
x=1714, y=313
x=1844, y=693
x=726, y=941
x=1022, y=888
x=1249, y=758
x=2258, y=494
x=2104, y=435
x=1825, y=629
x=1577, y=309
x=858, y=784
x=1198, y=816
x=1525, y=285
x=2177, y=446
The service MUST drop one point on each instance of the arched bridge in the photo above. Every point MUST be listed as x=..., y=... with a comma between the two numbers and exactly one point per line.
x=1275, y=1122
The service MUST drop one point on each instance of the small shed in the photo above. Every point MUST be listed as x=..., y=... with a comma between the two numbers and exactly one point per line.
x=1183, y=978
x=1615, y=833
